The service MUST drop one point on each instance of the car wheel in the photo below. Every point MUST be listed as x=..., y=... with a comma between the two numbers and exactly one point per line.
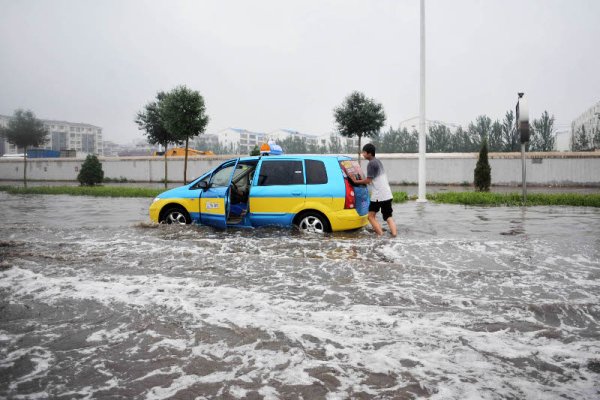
x=176, y=216
x=312, y=222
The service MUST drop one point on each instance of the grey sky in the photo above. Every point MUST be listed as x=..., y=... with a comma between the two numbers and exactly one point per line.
x=264, y=65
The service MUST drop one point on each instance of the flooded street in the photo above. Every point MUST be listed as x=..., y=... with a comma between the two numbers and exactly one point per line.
x=466, y=303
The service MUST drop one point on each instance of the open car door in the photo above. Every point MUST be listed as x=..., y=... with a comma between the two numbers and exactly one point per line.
x=214, y=200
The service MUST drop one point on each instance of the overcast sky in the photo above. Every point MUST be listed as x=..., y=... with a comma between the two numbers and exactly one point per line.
x=265, y=65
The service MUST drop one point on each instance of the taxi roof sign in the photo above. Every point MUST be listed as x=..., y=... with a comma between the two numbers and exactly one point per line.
x=270, y=149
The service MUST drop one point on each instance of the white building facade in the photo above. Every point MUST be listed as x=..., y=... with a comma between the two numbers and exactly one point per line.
x=590, y=120
x=412, y=124
x=242, y=141
x=62, y=135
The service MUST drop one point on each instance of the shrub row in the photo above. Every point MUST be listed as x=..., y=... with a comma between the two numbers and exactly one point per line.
x=99, y=191
x=515, y=199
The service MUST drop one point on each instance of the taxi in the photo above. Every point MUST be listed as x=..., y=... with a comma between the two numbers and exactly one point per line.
x=310, y=192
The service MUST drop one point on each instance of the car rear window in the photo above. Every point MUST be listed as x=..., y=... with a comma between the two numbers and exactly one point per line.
x=315, y=172
x=281, y=172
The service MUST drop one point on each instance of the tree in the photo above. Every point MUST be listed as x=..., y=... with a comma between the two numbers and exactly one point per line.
x=151, y=122
x=359, y=116
x=580, y=140
x=294, y=145
x=439, y=139
x=462, y=141
x=495, y=137
x=596, y=138
x=255, y=151
x=510, y=140
x=335, y=145
x=91, y=172
x=183, y=114
x=543, y=133
x=483, y=171
x=25, y=130
x=479, y=131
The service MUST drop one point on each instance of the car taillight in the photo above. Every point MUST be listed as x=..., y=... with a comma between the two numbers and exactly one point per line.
x=350, y=201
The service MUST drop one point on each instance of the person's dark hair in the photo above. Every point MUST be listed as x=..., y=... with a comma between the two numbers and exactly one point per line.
x=369, y=148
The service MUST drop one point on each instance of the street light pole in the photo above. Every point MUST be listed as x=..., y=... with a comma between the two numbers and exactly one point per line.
x=422, y=133
x=522, y=125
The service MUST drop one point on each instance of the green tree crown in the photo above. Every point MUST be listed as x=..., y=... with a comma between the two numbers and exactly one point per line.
x=149, y=120
x=483, y=171
x=359, y=116
x=543, y=138
x=91, y=172
x=25, y=130
x=183, y=113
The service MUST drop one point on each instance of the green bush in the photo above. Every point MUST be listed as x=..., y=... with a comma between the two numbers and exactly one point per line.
x=400, y=197
x=91, y=172
x=483, y=171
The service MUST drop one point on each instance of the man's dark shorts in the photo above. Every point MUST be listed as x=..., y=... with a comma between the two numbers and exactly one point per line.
x=384, y=206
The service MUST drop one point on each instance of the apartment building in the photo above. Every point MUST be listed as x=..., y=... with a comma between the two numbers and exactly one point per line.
x=590, y=119
x=63, y=135
x=242, y=141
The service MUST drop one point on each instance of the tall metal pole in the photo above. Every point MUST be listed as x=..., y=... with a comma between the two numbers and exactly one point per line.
x=524, y=169
x=422, y=134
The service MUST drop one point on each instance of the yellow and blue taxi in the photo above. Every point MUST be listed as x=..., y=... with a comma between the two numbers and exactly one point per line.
x=311, y=192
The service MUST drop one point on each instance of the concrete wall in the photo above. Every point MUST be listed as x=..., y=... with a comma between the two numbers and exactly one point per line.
x=456, y=168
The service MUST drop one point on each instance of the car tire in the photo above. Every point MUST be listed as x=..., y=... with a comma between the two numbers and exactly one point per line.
x=175, y=215
x=312, y=222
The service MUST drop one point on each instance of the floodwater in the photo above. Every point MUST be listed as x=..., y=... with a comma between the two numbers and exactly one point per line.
x=466, y=303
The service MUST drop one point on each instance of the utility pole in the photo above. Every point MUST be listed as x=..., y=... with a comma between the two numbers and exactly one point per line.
x=422, y=128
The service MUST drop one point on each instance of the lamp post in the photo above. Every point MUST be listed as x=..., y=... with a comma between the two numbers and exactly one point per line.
x=522, y=114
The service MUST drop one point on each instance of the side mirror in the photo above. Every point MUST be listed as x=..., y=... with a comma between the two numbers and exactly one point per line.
x=203, y=185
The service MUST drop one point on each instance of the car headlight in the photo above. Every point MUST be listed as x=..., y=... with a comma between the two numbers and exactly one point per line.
x=156, y=199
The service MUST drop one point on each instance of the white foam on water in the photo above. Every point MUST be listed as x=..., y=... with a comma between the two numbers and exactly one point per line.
x=114, y=335
x=180, y=383
x=413, y=310
x=238, y=392
x=41, y=359
x=176, y=344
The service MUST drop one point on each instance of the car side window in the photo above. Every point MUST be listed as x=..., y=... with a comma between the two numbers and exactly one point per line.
x=222, y=177
x=281, y=172
x=315, y=172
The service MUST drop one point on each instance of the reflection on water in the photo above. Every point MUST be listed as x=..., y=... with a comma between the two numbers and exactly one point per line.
x=467, y=302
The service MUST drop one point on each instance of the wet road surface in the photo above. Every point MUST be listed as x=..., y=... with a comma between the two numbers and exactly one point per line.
x=467, y=303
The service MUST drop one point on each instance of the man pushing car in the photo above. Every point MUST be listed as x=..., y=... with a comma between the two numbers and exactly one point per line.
x=381, y=193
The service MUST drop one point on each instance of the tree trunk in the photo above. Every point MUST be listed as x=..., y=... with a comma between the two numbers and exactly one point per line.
x=166, y=172
x=25, y=166
x=359, y=148
x=187, y=139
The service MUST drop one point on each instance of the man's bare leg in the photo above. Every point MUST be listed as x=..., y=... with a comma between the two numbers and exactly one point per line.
x=392, y=224
x=374, y=223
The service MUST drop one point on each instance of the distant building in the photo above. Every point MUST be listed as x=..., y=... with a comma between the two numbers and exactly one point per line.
x=412, y=124
x=590, y=119
x=205, y=142
x=64, y=136
x=242, y=141
x=137, y=148
x=563, y=140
